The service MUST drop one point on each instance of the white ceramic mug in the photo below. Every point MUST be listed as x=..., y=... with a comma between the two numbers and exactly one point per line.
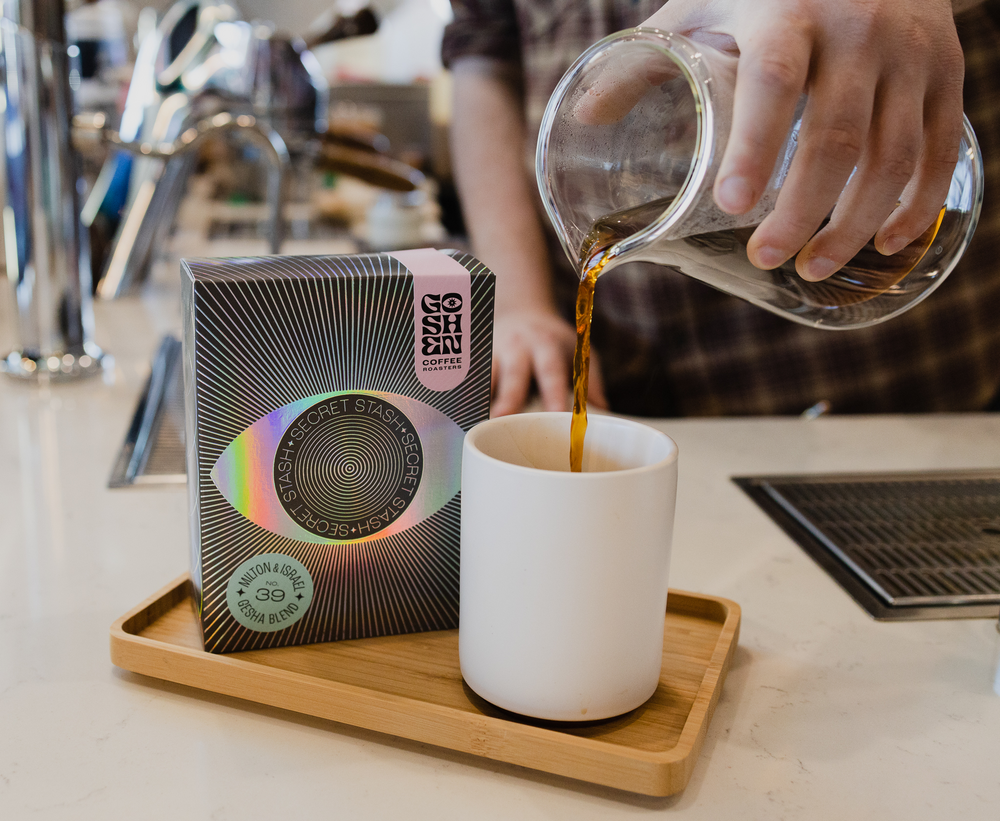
x=564, y=575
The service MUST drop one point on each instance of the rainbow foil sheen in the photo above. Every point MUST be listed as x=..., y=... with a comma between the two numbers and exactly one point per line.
x=326, y=402
x=342, y=467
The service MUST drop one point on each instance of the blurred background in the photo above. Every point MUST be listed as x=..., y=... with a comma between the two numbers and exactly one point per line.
x=347, y=99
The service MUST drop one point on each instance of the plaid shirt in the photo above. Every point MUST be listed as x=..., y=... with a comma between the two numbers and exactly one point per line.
x=670, y=345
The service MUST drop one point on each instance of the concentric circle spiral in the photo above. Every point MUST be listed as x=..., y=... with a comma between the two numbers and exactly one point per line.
x=352, y=466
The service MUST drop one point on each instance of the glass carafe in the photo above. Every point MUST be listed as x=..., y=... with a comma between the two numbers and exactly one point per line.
x=640, y=186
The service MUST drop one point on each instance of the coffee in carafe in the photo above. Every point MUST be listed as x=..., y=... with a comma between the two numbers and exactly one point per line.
x=644, y=182
x=635, y=184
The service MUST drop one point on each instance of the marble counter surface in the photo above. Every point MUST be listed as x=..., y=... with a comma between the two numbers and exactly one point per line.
x=825, y=714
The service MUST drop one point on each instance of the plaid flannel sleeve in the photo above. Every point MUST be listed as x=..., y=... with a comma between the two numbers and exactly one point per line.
x=482, y=28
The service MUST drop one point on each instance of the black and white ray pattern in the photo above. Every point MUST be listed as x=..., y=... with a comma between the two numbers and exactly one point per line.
x=265, y=332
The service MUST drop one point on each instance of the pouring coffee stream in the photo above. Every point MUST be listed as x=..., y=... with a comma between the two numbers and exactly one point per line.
x=867, y=275
x=638, y=187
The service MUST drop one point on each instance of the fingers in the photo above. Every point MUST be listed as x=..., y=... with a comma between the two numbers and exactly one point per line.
x=511, y=381
x=540, y=347
x=596, y=397
x=835, y=135
x=621, y=84
x=883, y=80
x=526, y=346
x=771, y=78
x=922, y=199
x=887, y=164
x=552, y=377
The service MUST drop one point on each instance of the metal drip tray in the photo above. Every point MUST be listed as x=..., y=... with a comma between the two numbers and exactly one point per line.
x=905, y=546
x=153, y=451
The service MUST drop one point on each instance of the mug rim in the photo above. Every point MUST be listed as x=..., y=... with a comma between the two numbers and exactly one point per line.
x=470, y=446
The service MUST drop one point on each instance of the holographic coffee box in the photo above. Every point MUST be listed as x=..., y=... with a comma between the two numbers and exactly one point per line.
x=327, y=400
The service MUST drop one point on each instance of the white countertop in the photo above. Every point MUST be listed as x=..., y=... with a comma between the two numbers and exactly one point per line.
x=825, y=713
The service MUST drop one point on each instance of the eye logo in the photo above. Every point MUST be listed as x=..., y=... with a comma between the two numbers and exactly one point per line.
x=342, y=467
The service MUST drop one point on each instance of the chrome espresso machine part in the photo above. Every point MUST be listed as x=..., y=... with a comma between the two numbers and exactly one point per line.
x=201, y=69
x=48, y=259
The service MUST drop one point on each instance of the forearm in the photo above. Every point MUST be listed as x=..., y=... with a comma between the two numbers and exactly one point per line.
x=488, y=136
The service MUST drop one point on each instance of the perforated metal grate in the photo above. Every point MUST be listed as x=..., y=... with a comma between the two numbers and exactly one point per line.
x=914, y=540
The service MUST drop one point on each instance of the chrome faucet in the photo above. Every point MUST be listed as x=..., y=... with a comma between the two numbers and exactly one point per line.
x=202, y=69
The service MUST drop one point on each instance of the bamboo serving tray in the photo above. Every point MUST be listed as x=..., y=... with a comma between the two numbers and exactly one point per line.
x=410, y=686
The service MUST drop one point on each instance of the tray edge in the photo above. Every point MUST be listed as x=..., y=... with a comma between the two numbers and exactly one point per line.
x=650, y=773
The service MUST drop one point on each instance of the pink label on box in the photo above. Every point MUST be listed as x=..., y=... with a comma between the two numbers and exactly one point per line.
x=442, y=309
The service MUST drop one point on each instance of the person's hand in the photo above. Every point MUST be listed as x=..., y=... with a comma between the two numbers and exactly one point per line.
x=884, y=84
x=530, y=339
x=539, y=344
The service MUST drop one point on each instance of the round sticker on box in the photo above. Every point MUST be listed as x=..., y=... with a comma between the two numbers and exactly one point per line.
x=269, y=592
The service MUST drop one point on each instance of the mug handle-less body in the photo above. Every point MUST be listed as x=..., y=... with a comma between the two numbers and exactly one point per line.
x=564, y=575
